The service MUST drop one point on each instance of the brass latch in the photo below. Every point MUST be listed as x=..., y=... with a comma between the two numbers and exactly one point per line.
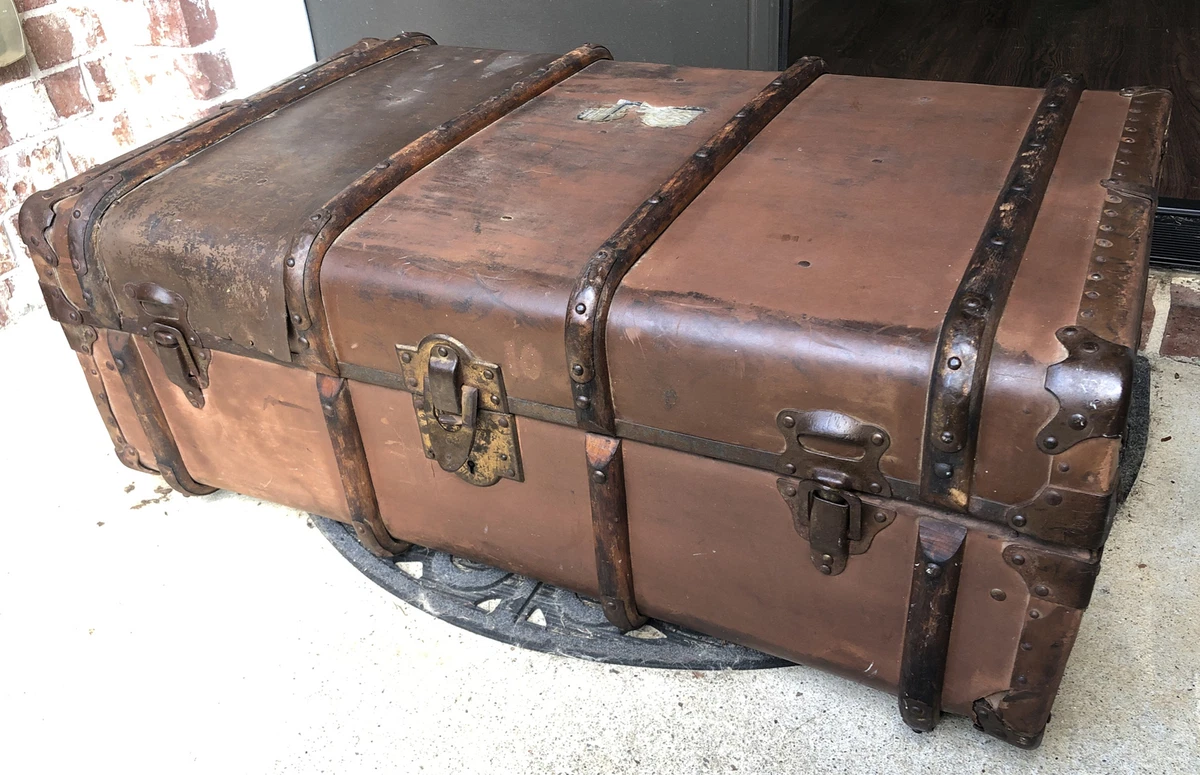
x=828, y=456
x=462, y=410
x=162, y=319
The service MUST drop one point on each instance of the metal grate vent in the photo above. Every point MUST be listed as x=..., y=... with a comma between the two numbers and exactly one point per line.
x=1175, y=243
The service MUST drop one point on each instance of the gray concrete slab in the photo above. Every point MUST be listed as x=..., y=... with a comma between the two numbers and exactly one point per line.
x=145, y=632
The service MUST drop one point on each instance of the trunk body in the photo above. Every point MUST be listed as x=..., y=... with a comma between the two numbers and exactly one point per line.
x=834, y=367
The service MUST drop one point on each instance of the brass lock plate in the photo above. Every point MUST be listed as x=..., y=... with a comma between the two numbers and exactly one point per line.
x=462, y=410
x=162, y=319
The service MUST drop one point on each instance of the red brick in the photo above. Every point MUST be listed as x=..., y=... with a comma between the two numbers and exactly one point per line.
x=94, y=141
x=16, y=71
x=60, y=37
x=211, y=75
x=8, y=257
x=1182, y=336
x=5, y=137
x=182, y=23
x=29, y=171
x=29, y=5
x=101, y=83
x=66, y=92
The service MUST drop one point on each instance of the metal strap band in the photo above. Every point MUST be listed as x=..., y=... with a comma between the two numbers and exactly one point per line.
x=587, y=313
x=150, y=412
x=351, y=455
x=935, y=575
x=610, y=525
x=969, y=330
x=308, y=330
x=105, y=185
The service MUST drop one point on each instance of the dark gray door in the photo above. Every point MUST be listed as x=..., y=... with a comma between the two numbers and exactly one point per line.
x=706, y=33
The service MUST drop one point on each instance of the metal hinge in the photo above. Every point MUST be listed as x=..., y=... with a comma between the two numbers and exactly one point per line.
x=462, y=411
x=821, y=483
x=162, y=319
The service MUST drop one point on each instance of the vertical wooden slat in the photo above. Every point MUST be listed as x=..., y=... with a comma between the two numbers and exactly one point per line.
x=351, y=457
x=610, y=525
x=936, y=570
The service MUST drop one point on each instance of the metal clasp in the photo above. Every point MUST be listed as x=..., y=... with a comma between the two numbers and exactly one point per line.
x=162, y=319
x=462, y=410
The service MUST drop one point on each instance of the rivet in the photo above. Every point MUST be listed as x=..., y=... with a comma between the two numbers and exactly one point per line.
x=577, y=370
x=411, y=382
x=789, y=491
x=580, y=309
x=1092, y=294
x=1050, y=442
x=1022, y=679
x=947, y=437
x=1113, y=199
x=877, y=439
x=315, y=217
x=303, y=341
x=1035, y=614
x=875, y=487
x=880, y=516
x=290, y=262
x=1018, y=559
x=120, y=363
x=1111, y=213
x=954, y=363
x=1026, y=646
x=826, y=570
x=789, y=468
x=933, y=570
x=789, y=421
x=599, y=477
x=406, y=357
x=102, y=397
x=1087, y=313
x=77, y=214
x=1095, y=276
x=1070, y=331
x=1040, y=590
x=582, y=402
x=1105, y=227
x=503, y=457
x=430, y=454
x=943, y=470
x=1078, y=422
x=296, y=319
x=999, y=240
x=502, y=422
x=998, y=594
x=495, y=399
x=489, y=374
x=1104, y=243
x=654, y=200
x=1019, y=520
x=827, y=559
x=86, y=349
x=1064, y=467
x=1100, y=259
x=701, y=154
x=443, y=351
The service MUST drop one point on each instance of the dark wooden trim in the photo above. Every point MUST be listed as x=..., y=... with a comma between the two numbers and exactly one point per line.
x=587, y=312
x=935, y=575
x=133, y=373
x=969, y=329
x=351, y=457
x=308, y=330
x=610, y=526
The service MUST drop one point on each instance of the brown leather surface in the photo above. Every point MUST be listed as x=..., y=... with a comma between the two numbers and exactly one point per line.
x=814, y=273
x=217, y=227
x=261, y=432
x=541, y=527
x=713, y=547
x=485, y=244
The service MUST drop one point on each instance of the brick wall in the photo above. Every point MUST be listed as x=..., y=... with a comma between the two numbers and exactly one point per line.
x=102, y=76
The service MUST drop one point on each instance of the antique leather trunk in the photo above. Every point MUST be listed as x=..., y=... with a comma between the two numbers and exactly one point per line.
x=834, y=367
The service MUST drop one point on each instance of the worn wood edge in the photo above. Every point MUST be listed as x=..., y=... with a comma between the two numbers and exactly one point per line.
x=353, y=468
x=610, y=530
x=968, y=330
x=101, y=186
x=936, y=570
x=587, y=309
x=309, y=335
x=133, y=373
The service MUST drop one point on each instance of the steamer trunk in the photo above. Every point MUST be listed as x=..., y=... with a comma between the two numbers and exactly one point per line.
x=833, y=367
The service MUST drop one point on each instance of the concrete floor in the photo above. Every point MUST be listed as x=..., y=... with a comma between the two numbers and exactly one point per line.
x=144, y=632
